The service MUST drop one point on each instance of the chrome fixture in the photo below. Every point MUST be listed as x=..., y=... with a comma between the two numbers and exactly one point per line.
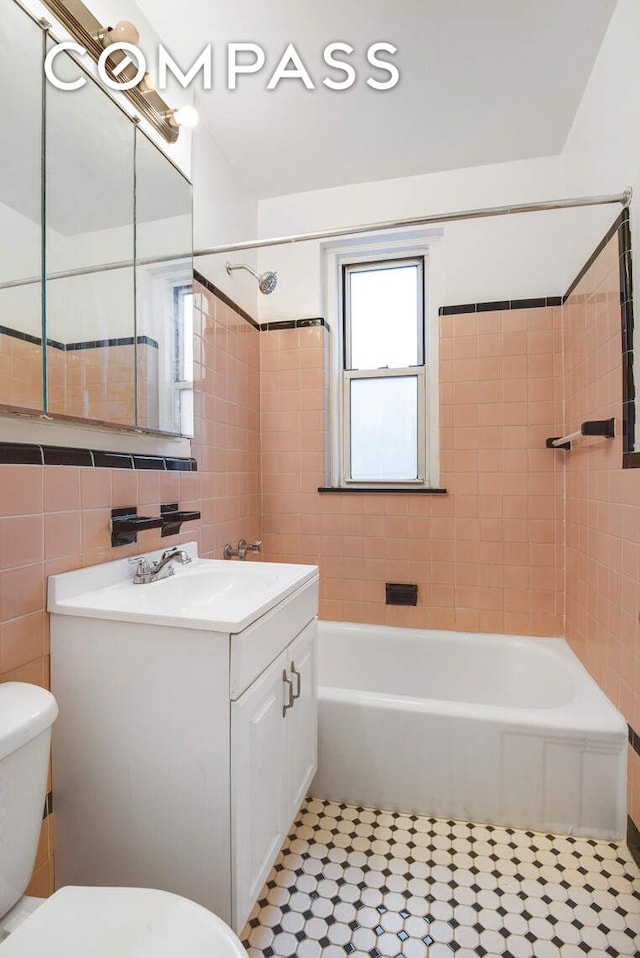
x=241, y=549
x=149, y=571
x=95, y=38
x=292, y=696
x=623, y=199
x=266, y=281
x=593, y=427
x=426, y=220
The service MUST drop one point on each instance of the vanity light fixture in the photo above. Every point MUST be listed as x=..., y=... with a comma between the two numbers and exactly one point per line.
x=95, y=39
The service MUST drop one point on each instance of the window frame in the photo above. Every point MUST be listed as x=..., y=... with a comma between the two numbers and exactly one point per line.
x=373, y=251
x=181, y=386
x=416, y=371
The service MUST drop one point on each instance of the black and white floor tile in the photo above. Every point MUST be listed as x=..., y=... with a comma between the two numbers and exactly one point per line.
x=363, y=883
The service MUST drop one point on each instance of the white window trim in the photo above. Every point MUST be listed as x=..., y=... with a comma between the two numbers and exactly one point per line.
x=389, y=246
x=420, y=374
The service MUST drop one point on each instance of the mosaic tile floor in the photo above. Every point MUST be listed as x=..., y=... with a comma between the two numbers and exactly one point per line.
x=369, y=884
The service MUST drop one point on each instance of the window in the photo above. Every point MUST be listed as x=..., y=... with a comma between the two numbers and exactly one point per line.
x=384, y=372
x=183, y=356
x=382, y=376
x=380, y=296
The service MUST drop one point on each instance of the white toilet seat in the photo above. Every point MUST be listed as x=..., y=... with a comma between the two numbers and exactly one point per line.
x=121, y=923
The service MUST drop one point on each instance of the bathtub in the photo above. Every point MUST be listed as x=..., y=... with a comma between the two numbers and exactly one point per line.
x=503, y=729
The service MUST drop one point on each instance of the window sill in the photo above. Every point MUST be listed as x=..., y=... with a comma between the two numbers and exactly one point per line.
x=364, y=490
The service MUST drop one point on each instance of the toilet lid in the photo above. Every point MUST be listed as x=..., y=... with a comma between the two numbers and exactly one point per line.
x=121, y=923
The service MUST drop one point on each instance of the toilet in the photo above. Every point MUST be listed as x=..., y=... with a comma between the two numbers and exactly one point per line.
x=78, y=921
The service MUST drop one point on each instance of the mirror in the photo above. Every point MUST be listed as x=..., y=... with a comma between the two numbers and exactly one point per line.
x=116, y=308
x=164, y=293
x=20, y=212
x=89, y=225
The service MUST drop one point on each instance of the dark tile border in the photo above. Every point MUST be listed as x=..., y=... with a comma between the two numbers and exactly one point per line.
x=86, y=344
x=102, y=343
x=149, y=462
x=264, y=327
x=15, y=453
x=199, y=278
x=48, y=805
x=29, y=454
x=633, y=840
x=113, y=460
x=633, y=835
x=294, y=324
x=386, y=489
x=503, y=304
x=17, y=334
x=630, y=458
x=66, y=456
x=620, y=226
x=611, y=232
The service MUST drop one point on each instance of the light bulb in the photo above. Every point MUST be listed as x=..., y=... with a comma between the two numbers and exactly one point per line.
x=147, y=84
x=123, y=32
x=186, y=116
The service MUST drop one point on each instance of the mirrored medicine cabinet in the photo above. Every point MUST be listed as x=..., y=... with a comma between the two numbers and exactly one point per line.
x=96, y=268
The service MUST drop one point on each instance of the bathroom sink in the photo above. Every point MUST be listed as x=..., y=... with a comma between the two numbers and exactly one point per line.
x=210, y=594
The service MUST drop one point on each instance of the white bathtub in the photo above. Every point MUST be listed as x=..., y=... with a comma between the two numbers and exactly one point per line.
x=509, y=730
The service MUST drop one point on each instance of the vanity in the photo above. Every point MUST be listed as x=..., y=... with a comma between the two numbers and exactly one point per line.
x=187, y=734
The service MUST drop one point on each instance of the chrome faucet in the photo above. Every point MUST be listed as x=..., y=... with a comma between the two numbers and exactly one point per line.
x=149, y=571
x=241, y=551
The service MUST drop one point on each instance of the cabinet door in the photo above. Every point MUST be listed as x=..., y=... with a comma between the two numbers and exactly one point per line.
x=258, y=802
x=302, y=719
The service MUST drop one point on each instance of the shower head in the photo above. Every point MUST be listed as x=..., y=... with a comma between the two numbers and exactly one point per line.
x=267, y=281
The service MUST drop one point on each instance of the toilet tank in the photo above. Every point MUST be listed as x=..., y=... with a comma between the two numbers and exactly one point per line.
x=26, y=715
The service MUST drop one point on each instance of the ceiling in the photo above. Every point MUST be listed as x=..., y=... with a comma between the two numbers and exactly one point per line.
x=482, y=81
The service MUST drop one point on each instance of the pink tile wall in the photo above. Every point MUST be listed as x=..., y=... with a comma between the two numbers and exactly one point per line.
x=56, y=518
x=20, y=373
x=227, y=439
x=602, y=500
x=488, y=556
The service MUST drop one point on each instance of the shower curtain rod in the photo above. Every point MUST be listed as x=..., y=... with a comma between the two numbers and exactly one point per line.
x=623, y=198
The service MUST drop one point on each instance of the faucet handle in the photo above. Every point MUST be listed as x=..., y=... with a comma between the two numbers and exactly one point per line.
x=143, y=569
x=255, y=547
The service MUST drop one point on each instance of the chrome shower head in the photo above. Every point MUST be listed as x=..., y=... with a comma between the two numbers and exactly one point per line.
x=267, y=281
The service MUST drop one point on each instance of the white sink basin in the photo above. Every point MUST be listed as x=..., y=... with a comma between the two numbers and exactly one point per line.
x=215, y=594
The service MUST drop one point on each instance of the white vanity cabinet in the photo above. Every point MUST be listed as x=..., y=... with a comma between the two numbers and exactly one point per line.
x=274, y=749
x=178, y=763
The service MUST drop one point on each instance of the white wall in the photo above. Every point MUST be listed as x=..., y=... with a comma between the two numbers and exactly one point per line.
x=602, y=151
x=505, y=258
x=224, y=211
x=513, y=257
x=603, y=146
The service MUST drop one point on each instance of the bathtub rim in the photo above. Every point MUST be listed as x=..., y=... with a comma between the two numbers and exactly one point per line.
x=589, y=701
